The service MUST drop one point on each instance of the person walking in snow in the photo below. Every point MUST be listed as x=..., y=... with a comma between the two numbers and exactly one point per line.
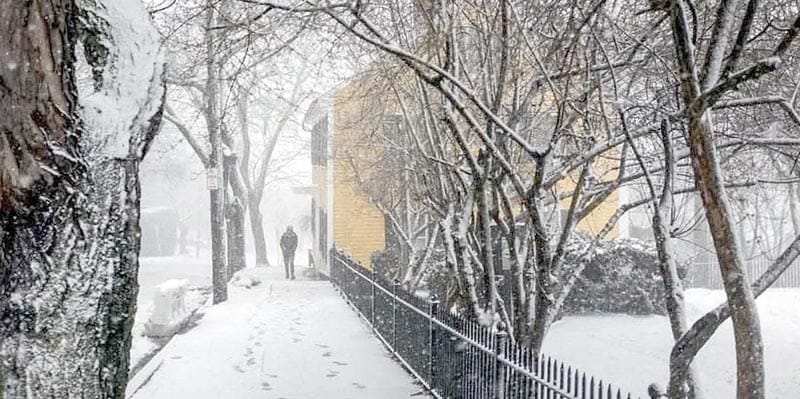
x=288, y=246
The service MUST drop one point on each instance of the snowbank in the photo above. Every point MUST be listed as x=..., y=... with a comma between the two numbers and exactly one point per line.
x=245, y=278
x=633, y=351
x=169, y=312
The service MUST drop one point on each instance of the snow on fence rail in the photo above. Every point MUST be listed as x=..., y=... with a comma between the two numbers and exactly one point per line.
x=452, y=357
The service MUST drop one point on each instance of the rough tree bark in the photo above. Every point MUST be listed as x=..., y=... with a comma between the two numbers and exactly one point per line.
x=69, y=191
x=234, y=215
x=257, y=227
x=665, y=246
x=215, y=162
x=708, y=177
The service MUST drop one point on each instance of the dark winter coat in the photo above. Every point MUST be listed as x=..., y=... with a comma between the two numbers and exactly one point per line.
x=288, y=243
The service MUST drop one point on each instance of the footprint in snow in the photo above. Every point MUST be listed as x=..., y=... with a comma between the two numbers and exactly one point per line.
x=339, y=363
x=326, y=354
x=238, y=368
x=359, y=386
x=265, y=386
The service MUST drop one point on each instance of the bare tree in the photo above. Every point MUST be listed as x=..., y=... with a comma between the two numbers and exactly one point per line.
x=236, y=45
x=703, y=83
x=257, y=162
x=535, y=107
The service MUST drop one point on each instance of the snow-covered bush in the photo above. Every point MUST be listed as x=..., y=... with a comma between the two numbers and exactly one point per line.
x=438, y=277
x=386, y=262
x=622, y=277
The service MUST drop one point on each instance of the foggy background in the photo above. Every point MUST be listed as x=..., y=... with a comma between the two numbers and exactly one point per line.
x=174, y=182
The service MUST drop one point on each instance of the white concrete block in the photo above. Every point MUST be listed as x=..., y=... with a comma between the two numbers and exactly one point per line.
x=169, y=312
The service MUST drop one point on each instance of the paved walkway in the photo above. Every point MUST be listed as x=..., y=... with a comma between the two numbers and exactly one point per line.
x=280, y=339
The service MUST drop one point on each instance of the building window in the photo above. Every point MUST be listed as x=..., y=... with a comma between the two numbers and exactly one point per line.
x=319, y=142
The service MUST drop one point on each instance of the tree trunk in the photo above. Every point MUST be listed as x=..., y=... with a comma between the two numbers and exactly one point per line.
x=665, y=246
x=542, y=309
x=253, y=196
x=234, y=222
x=257, y=227
x=69, y=200
x=236, y=238
x=73, y=302
x=744, y=314
x=217, y=201
x=183, y=237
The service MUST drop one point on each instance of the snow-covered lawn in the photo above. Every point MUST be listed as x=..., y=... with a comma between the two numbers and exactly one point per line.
x=632, y=352
x=279, y=339
x=154, y=271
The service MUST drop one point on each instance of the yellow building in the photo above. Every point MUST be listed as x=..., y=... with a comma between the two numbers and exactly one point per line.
x=341, y=148
x=341, y=215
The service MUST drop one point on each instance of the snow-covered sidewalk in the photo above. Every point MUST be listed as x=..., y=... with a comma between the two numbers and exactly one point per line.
x=280, y=339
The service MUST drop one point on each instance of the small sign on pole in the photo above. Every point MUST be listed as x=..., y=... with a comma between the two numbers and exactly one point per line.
x=212, y=178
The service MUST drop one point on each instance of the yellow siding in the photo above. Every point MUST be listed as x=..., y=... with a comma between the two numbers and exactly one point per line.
x=358, y=226
x=597, y=219
x=319, y=179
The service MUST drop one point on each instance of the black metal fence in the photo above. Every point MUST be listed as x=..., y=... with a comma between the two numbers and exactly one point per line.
x=452, y=357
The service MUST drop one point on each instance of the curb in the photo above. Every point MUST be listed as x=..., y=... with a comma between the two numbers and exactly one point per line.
x=143, y=374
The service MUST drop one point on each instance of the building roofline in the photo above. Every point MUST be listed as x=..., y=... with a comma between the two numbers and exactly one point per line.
x=316, y=111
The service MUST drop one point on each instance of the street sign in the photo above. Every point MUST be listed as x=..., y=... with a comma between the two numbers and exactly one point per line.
x=213, y=178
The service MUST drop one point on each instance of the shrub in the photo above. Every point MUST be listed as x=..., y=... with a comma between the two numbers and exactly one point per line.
x=622, y=277
x=386, y=263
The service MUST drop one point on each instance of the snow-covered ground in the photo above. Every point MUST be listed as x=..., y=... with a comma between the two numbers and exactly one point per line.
x=299, y=340
x=632, y=352
x=279, y=339
x=154, y=271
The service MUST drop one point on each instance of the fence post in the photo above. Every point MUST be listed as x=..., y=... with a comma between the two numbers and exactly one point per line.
x=346, y=278
x=372, y=286
x=348, y=281
x=339, y=273
x=332, y=268
x=337, y=263
x=433, y=343
x=499, y=369
x=395, y=284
